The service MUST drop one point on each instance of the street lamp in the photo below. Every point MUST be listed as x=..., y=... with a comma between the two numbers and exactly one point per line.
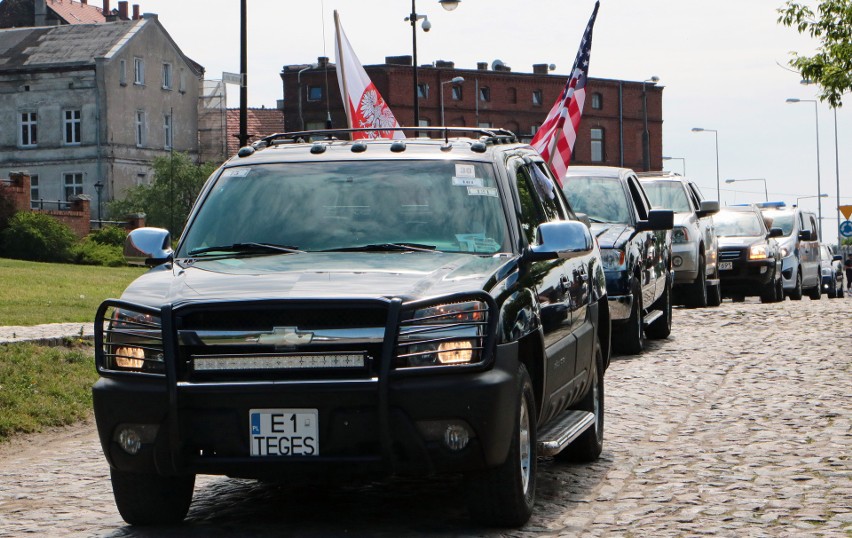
x=454, y=81
x=823, y=195
x=448, y=5
x=681, y=159
x=243, y=136
x=99, y=186
x=765, y=192
x=646, y=137
x=716, y=135
x=819, y=187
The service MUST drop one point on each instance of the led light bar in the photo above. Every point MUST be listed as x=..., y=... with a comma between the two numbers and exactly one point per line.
x=219, y=363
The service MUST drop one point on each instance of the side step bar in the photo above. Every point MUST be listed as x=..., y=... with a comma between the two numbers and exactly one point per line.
x=651, y=317
x=562, y=431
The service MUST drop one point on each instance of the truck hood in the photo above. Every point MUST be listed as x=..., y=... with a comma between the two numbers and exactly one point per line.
x=611, y=235
x=740, y=241
x=408, y=275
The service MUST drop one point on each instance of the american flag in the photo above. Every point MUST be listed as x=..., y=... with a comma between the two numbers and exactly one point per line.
x=555, y=138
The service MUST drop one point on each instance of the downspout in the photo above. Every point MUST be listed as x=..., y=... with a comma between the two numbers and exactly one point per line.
x=620, y=123
x=100, y=111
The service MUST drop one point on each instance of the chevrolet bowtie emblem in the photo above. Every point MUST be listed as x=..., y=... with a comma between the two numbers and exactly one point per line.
x=285, y=337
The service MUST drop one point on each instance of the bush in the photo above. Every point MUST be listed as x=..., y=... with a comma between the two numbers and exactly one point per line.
x=36, y=237
x=7, y=208
x=109, y=235
x=91, y=252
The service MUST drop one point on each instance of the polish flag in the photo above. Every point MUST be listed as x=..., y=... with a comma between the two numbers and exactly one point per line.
x=365, y=107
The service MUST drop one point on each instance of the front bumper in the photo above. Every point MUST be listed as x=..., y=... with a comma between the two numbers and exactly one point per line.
x=745, y=277
x=685, y=262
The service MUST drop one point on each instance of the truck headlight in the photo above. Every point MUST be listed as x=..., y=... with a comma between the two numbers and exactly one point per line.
x=758, y=252
x=613, y=259
x=448, y=334
x=680, y=235
x=132, y=342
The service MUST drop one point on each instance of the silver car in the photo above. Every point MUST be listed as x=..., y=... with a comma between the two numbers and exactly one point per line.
x=799, y=248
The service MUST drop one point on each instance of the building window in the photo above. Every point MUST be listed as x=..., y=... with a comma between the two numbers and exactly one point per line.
x=167, y=131
x=512, y=96
x=167, y=76
x=28, y=129
x=71, y=123
x=141, y=179
x=138, y=71
x=73, y=184
x=140, y=128
x=534, y=129
x=423, y=91
x=597, y=101
x=457, y=93
x=314, y=93
x=182, y=81
x=314, y=125
x=484, y=93
x=122, y=72
x=485, y=125
x=597, y=138
x=536, y=98
x=34, y=196
x=423, y=122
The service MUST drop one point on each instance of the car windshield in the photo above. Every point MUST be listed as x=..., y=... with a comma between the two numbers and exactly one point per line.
x=667, y=195
x=368, y=205
x=737, y=224
x=779, y=220
x=601, y=198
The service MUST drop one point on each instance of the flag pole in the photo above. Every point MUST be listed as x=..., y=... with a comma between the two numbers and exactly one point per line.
x=340, y=61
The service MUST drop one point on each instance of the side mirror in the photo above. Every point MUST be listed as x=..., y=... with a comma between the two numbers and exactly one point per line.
x=148, y=246
x=658, y=220
x=562, y=239
x=775, y=232
x=708, y=207
x=807, y=235
x=836, y=258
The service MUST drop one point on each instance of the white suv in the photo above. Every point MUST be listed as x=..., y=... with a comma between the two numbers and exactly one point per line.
x=694, y=243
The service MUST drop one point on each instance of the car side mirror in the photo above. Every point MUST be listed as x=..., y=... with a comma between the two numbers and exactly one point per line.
x=708, y=207
x=658, y=220
x=561, y=239
x=775, y=232
x=807, y=235
x=836, y=258
x=148, y=246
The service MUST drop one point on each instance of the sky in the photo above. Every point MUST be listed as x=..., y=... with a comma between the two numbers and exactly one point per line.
x=723, y=65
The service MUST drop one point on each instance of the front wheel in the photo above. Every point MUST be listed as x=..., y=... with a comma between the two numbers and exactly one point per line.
x=662, y=326
x=628, y=340
x=696, y=293
x=151, y=499
x=796, y=294
x=714, y=295
x=815, y=293
x=504, y=496
x=589, y=445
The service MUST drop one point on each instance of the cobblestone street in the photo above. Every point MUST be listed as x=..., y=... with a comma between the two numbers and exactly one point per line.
x=737, y=425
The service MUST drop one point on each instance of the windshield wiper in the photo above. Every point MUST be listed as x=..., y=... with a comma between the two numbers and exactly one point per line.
x=599, y=221
x=384, y=247
x=246, y=247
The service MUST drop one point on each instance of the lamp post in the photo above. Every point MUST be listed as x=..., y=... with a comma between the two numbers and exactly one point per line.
x=817, y=196
x=646, y=136
x=243, y=136
x=716, y=135
x=681, y=159
x=765, y=191
x=819, y=187
x=448, y=5
x=99, y=186
x=454, y=81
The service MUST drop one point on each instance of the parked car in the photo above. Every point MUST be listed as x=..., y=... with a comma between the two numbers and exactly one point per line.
x=362, y=309
x=635, y=243
x=831, y=268
x=694, y=243
x=749, y=255
x=799, y=248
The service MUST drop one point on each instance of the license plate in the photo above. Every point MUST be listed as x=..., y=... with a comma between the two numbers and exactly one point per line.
x=726, y=266
x=284, y=432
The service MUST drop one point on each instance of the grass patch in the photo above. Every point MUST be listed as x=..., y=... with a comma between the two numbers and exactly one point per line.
x=34, y=293
x=44, y=386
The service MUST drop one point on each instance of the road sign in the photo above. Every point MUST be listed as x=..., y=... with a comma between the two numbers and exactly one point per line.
x=846, y=228
x=232, y=78
x=846, y=210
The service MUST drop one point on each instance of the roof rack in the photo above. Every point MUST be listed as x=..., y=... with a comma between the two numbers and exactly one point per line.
x=770, y=205
x=488, y=136
x=661, y=173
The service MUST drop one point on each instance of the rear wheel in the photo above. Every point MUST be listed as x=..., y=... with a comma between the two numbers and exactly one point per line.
x=151, y=499
x=504, y=496
x=589, y=445
x=769, y=294
x=815, y=293
x=714, y=294
x=696, y=293
x=628, y=339
x=796, y=294
x=662, y=327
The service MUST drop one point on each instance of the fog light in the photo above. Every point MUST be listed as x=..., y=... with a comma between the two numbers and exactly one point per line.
x=456, y=437
x=130, y=441
x=677, y=261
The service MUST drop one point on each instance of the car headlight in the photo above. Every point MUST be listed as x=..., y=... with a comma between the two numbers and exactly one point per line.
x=758, y=252
x=613, y=259
x=447, y=334
x=680, y=235
x=133, y=342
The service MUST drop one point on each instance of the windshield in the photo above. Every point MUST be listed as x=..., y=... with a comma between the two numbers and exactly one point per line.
x=736, y=224
x=667, y=195
x=780, y=220
x=432, y=205
x=601, y=198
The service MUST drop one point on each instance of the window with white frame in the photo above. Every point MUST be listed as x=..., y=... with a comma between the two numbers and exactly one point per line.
x=34, y=194
x=597, y=142
x=423, y=122
x=423, y=90
x=138, y=71
x=484, y=93
x=485, y=125
x=167, y=76
x=28, y=129
x=122, y=72
x=457, y=93
x=167, y=131
x=140, y=128
x=597, y=101
x=73, y=182
x=536, y=98
x=71, y=127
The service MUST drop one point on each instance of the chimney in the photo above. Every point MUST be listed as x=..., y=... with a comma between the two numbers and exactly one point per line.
x=482, y=66
x=40, y=11
x=446, y=64
x=106, y=8
x=136, y=15
x=322, y=61
x=540, y=69
x=398, y=60
x=122, y=10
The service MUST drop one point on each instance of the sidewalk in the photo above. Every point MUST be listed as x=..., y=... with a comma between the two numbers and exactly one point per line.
x=51, y=334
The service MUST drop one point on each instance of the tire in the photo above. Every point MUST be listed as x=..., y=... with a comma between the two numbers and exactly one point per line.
x=779, y=289
x=832, y=293
x=714, y=296
x=695, y=295
x=151, y=499
x=589, y=445
x=840, y=293
x=796, y=294
x=628, y=337
x=662, y=327
x=504, y=495
x=815, y=293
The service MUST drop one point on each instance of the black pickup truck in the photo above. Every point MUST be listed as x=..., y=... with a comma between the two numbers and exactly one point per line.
x=358, y=309
x=635, y=243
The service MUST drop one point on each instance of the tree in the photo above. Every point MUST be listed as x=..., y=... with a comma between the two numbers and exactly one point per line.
x=167, y=201
x=831, y=66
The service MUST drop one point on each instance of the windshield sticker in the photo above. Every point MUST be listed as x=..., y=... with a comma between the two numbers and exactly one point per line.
x=243, y=171
x=477, y=243
x=465, y=170
x=467, y=181
x=482, y=191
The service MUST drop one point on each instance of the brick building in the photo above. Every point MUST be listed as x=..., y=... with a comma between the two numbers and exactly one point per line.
x=491, y=96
